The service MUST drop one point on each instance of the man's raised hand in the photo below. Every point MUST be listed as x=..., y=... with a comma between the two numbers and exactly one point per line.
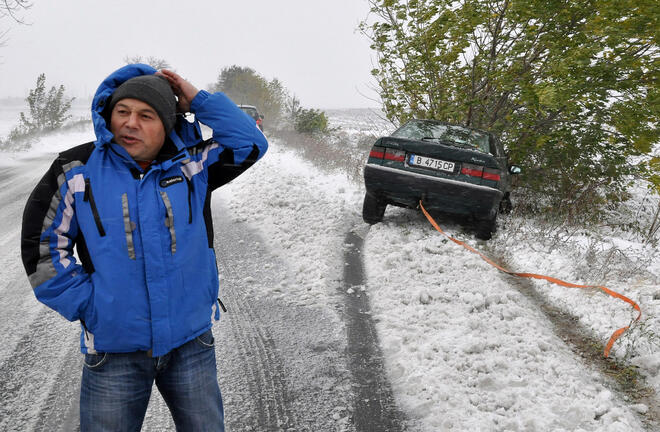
x=183, y=90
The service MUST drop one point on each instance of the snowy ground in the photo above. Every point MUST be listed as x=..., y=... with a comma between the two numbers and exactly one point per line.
x=464, y=349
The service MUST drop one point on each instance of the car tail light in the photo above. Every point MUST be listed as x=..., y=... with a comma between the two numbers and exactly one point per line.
x=395, y=155
x=472, y=170
x=491, y=174
x=377, y=152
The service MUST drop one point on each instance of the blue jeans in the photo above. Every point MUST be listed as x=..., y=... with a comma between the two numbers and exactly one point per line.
x=115, y=388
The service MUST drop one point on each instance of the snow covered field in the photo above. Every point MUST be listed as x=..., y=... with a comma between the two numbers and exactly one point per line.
x=10, y=110
x=464, y=348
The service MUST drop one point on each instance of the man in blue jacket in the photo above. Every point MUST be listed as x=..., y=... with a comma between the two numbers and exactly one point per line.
x=135, y=203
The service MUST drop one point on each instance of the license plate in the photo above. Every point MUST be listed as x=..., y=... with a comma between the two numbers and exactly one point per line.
x=432, y=163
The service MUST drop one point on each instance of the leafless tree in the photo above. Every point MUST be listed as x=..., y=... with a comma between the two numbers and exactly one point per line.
x=11, y=9
x=154, y=62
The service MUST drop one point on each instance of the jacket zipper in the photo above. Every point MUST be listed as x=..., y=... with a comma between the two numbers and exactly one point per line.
x=89, y=196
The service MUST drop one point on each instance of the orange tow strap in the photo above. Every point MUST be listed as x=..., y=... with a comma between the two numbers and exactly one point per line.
x=556, y=281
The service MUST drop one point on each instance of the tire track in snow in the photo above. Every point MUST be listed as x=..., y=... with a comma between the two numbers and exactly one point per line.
x=17, y=183
x=29, y=374
x=19, y=304
x=281, y=366
x=257, y=350
x=38, y=344
x=60, y=409
x=37, y=379
x=375, y=409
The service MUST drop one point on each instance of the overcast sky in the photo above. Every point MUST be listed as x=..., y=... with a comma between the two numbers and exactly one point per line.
x=312, y=46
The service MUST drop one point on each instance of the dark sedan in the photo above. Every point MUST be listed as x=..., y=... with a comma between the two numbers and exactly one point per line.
x=450, y=168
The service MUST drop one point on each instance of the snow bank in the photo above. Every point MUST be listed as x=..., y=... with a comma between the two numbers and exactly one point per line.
x=628, y=267
x=465, y=350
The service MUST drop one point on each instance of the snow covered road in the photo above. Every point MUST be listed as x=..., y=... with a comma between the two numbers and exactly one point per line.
x=282, y=364
x=463, y=348
x=39, y=349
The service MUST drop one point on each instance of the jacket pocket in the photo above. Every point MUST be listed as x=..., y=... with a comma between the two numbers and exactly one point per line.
x=89, y=197
x=169, y=220
x=129, y=226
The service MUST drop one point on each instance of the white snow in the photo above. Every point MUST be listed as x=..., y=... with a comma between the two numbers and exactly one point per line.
x=304, y=214
x=464, y=348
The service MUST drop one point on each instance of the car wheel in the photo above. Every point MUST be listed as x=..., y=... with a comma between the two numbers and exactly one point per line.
x=373, y=209
x=485, y=228
x=505, y=204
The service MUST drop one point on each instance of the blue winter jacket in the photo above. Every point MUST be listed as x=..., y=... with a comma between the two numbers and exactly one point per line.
x=147, y=277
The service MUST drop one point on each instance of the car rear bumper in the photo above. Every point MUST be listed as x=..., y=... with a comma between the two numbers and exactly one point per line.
x=407, y=188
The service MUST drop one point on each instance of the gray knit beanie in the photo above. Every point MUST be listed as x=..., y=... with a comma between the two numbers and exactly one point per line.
x=153, y=90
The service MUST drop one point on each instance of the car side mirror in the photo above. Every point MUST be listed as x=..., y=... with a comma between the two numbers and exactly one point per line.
x=514, y=169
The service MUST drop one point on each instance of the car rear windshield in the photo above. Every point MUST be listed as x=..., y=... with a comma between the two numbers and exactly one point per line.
x=431, y=131
x=251, y=112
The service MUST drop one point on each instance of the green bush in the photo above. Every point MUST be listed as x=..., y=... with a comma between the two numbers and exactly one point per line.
x=311, y=121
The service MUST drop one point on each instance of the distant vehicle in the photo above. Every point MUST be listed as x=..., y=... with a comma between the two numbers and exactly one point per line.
x=450, y=168
x=252, y=111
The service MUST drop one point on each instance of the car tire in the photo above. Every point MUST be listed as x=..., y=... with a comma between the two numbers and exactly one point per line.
x=373, y=209
x=485, y=228
x=505, y=204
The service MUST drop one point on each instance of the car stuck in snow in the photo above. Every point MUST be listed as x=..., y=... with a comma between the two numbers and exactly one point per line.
x=452, y=169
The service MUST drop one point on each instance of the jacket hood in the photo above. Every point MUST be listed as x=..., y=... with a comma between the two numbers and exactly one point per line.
x=102, y=97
